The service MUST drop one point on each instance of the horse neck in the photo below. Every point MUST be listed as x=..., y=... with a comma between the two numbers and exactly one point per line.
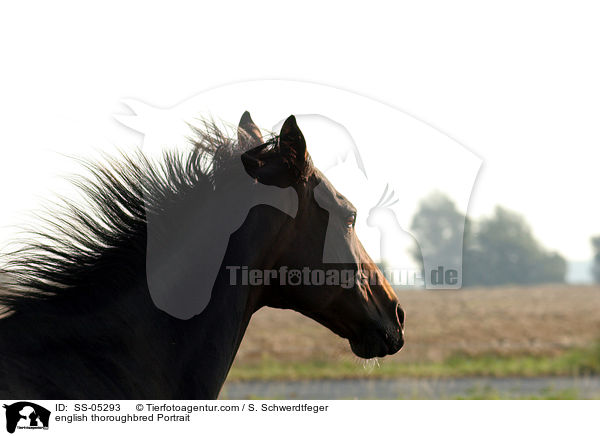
x=211, y=340
x=221, y=326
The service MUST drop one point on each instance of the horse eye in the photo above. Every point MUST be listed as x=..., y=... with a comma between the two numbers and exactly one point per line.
x=351, y=220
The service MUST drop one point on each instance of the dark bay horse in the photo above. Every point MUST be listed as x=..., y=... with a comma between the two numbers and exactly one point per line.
x=90, y=313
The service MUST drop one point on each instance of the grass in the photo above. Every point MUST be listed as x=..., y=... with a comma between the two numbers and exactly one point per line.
x=487, y=393
x=574, y=362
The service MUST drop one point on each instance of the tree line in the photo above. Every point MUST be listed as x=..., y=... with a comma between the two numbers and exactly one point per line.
x=497, y=250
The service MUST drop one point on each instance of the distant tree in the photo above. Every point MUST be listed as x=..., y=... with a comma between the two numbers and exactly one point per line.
x=438, y=228
x=497, y=250
x=596, y=266
x=503, y=250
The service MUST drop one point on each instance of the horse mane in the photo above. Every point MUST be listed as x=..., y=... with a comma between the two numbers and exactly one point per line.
x=76, y=244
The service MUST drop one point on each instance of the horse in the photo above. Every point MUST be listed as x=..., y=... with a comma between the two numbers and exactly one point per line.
x=80, y=319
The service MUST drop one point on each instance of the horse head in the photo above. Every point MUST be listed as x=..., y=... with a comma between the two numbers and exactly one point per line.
x=323, y=269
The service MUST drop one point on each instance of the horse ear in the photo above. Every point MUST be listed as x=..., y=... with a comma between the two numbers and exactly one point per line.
x=249, y=135
x=280, y=166
x=292, y=143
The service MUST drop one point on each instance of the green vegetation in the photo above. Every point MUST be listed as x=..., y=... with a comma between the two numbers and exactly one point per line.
x=487, y=393
x=575, y=362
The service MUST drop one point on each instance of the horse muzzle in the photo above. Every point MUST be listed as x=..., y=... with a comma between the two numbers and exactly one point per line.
x=380, y=341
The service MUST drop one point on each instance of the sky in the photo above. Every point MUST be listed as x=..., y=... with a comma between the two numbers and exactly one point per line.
x=515, y=84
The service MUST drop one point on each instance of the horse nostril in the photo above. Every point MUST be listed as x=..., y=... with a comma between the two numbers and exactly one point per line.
x=400, y=314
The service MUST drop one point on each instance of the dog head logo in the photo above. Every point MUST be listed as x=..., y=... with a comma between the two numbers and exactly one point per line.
x=26, y=415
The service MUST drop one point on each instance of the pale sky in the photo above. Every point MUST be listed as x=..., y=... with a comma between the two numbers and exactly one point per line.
x=517, y=85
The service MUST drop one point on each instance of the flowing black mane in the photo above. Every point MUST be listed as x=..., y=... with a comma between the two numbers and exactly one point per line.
x=77, y=243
